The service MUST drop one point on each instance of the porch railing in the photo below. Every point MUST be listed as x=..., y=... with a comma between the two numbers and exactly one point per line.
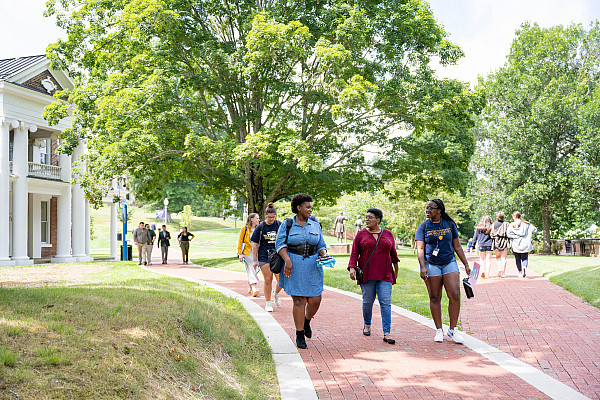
x=44, y=171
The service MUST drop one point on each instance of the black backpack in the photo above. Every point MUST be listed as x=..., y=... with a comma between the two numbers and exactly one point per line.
x=276, y=262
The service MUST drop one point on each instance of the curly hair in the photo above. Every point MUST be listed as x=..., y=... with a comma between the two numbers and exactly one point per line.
x=376, y=212
x=298, y=199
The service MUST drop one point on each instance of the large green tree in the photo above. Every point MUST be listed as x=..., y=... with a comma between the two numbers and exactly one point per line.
x=538, y=136
x=262, y=99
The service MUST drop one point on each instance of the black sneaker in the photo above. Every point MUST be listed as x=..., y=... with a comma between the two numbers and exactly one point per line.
x=300, y=342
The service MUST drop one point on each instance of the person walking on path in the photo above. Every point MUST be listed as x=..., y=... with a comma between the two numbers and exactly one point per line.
x=263, y=239
x=150, y=244
x=302, y=277
x=500, y=243
x=521, y=234
x=141, y=239
x=437, y=241
x=164, y=238
x=245, y=252
x=374, y=252
x=482, y=236
x=184, y=239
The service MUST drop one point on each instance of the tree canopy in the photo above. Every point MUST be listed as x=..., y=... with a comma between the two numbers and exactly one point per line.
x=264, y=98
x=538, y=136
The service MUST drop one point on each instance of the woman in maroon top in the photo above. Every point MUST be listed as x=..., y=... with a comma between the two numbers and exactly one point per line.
x=378, y=275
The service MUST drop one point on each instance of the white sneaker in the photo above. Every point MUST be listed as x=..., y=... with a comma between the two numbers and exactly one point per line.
x=276, y=298
x=455, y=335
x=439, y=335
x=268, y=307
x=520, y=274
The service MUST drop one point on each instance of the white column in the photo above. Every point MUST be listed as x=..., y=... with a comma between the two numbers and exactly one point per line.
x=34, y=242
x=88, y=231
x=63, y=211
x=20, y=194
x=114, y=250
x=78, y=209
x=5, y=126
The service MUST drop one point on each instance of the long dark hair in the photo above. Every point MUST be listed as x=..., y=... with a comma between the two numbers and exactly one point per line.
x=442, y=208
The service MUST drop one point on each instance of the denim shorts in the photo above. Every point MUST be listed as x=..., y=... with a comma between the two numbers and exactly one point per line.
x=485, y=248
x=439, y=270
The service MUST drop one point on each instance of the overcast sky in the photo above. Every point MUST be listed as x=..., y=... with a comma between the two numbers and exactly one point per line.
x=484, y=29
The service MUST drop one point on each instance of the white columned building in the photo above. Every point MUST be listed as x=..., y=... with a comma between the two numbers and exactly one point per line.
x=45, y=214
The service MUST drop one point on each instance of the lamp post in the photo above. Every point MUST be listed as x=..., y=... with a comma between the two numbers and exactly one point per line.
x=125, y=250
x=233, y=204
x=123, y=206
x=166, y=203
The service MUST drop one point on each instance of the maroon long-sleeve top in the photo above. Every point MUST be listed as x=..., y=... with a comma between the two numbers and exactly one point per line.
x=380, y=265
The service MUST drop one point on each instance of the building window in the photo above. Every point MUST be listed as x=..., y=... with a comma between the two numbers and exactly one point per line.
x=45, y=222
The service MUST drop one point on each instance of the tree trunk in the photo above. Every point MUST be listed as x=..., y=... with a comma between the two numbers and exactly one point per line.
x=546, y=226
x=254, y=189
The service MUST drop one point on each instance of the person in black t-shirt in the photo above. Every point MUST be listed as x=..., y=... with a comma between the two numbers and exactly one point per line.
x=263, y=237
x=184, y=239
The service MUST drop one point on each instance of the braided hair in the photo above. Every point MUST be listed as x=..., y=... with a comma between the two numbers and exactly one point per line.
x=442, y=208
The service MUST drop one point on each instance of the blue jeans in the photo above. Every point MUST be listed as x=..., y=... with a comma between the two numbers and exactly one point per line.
x=383, y=290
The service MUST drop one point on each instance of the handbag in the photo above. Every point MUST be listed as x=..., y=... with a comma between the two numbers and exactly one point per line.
x=276, y=262
x=359, y=271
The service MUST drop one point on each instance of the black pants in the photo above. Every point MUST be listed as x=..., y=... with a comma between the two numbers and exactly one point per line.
x=521, y=259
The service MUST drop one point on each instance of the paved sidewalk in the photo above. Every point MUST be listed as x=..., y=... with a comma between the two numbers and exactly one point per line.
x=539, y=323
x=344, y=364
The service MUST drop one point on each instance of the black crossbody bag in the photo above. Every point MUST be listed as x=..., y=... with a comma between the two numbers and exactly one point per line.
x=359, y=271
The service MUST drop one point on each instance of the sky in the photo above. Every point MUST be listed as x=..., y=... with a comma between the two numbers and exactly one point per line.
x=484, y=29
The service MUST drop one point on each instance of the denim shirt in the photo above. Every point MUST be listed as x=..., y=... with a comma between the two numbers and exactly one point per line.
x=310, y=233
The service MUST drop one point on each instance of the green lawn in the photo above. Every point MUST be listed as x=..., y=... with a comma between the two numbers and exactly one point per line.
x=131, y=334
x=100, y=243
x=579, y=275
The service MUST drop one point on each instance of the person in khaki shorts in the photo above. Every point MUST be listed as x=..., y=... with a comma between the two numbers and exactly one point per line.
x=150, y=244
x=140, y=238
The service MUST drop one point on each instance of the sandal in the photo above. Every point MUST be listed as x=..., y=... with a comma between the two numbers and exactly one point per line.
x=365, y=332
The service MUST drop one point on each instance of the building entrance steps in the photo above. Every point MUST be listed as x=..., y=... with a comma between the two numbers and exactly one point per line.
x=344, y=364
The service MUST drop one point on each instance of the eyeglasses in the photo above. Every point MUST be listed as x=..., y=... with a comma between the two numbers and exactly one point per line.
x=429, y=208
x=369, y=217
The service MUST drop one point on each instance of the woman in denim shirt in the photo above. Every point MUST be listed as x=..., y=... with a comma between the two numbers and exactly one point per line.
x=302, y=278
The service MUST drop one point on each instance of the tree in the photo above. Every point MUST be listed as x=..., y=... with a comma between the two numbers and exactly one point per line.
x=261, y=99
x=181, y=193
x=186, y=216
x=537, y=138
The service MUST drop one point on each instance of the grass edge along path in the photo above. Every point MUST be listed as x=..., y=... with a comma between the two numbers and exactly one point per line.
x=578, y=275
x=131, y=334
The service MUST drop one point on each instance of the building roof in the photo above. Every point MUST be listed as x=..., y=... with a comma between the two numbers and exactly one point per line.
x=12, y=66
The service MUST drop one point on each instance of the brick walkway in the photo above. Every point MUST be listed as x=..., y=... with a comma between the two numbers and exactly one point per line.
x=344, y=364
x=539, y=323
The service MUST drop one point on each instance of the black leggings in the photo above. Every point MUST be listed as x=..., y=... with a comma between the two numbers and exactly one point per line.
x=521, y=258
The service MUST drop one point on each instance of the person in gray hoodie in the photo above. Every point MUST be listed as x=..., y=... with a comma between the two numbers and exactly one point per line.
x=521, y=234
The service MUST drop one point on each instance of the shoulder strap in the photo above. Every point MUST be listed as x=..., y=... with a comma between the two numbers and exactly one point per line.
x=262, y=224
x=376, y=244
x=312, y=217
x=288, y=226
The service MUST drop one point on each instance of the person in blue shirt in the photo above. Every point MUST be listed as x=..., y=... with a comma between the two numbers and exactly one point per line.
x=302, y=277
x=437, y=241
